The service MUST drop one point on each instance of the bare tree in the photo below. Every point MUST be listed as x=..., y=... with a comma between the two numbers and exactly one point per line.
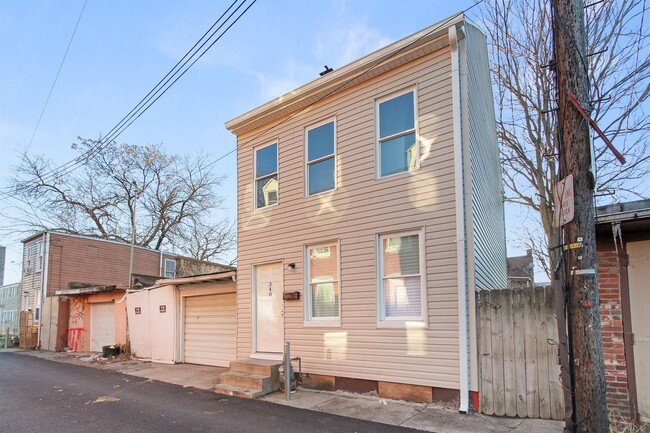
x=521, y=56
x=167, y=196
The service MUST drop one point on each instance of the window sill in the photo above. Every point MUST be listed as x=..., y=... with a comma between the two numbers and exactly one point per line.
x=402, y=324
x=318, y=194
x=322, y=323
x=412, y=171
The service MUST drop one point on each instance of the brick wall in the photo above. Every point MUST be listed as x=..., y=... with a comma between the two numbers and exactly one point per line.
x=611, y=317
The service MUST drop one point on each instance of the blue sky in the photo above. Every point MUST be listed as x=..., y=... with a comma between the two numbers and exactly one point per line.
x=122, y=48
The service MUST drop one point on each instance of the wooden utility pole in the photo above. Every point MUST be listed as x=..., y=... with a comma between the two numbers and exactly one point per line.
x=579, y=277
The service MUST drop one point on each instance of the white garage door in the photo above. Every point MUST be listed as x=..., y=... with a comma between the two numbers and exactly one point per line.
x=102, y=325
x=210, y=329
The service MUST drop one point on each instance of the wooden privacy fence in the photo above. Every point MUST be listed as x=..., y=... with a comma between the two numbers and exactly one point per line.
x=27, y=330
x=520, y=375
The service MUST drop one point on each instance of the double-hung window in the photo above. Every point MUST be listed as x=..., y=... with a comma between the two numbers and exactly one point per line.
x=321, y=158
x=170, y=268
x=401, y=285
x=266, y=176
x=323, y=291
x=398, y=147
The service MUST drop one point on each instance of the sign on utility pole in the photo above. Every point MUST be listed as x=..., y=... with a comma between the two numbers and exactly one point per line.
x=579, y=276
x=564, y=201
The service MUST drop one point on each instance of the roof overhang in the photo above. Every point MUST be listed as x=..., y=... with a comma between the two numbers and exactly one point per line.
x=405, y=50
x=87, y=290
x=197, y=279
x=620, y=212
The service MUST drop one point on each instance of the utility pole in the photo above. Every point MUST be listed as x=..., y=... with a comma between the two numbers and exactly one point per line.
x=579, y=278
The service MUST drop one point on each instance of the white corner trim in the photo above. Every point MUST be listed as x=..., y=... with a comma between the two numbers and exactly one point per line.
x=460, y=224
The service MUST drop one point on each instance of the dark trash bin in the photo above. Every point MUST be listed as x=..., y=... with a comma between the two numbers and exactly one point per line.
x=108, y=351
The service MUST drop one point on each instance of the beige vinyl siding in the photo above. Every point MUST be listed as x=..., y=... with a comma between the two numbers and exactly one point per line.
x=488, y=233
x=485, y=231
x=354, y=214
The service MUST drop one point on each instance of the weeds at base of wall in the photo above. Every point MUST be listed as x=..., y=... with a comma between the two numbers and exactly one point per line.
x=621, y=424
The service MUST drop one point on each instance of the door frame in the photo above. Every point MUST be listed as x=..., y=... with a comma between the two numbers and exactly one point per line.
x=254, y=352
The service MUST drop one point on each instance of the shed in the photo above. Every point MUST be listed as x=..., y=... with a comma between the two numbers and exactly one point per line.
x=185, y=320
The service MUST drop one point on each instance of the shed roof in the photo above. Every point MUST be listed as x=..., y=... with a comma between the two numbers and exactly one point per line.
x=196, y=279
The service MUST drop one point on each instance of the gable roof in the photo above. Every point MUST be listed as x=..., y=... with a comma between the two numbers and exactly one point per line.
x=405, y=50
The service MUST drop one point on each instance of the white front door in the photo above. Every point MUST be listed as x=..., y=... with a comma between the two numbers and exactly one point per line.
x=639, y=278
x=269, y=326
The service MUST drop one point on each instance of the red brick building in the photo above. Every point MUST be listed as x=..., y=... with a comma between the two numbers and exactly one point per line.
x=623, y=244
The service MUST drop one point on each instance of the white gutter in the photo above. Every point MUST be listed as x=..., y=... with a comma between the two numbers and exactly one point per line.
x=463, y=339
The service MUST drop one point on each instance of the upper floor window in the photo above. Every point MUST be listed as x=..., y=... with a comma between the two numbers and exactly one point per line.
x=398, y=148
x=170, y=268
x=33, y=258
x=321, y=158
x=266, y=175
x=402, y=292
x=323, y=292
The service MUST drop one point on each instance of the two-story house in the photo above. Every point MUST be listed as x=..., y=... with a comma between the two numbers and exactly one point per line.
x=75, y=287
x=9, y=308
x=374, y=192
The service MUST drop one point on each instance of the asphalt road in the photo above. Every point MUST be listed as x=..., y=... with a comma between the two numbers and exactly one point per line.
x=38, y=395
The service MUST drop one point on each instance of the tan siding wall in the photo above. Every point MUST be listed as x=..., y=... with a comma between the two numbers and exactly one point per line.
x=89, y=261
x=32, y=274
x=354, y=214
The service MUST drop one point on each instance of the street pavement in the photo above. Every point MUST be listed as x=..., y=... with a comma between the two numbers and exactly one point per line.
x=37, y=395
x=195, y=380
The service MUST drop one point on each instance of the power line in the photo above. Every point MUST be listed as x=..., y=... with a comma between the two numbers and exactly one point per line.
x=336, y=89
x=181, y=67
x=47, y=100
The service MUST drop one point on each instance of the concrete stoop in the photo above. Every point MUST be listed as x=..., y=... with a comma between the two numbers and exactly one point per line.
x=250, y=378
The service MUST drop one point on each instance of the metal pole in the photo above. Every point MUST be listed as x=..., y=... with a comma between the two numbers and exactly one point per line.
x=6, y=336
x=287, y=370
x=135, y=203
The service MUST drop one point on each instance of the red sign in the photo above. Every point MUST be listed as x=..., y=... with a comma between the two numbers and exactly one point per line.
x=163, y=308
x=564, y=201
x=138, y=310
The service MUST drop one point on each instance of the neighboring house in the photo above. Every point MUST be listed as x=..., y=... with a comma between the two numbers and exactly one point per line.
x=521, y=271
x=3, y=253
x=9, y=308
x=89, y=276
x=374, y=192
x=189, y=319
x=623, y=245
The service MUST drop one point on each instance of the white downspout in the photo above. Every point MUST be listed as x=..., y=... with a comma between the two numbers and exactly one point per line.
x=460, y=224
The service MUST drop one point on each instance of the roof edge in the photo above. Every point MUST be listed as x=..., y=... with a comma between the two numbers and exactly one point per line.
x=339, y=76
x=196, y=279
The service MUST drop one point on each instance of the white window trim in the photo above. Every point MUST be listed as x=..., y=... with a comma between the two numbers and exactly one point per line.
x=334, y=155
x=165, y=270
x=415, y=129
x=277, y=172
x=39, y=256
x=401, y=322
x=333, y=322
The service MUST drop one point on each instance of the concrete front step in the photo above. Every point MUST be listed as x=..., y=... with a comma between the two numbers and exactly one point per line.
x=238, y=391
x=261, y=367
x=247, y=380
x=250, y=378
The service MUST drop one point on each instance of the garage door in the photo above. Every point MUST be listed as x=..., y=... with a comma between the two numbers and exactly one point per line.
x=102, y=325
x=210, y=329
